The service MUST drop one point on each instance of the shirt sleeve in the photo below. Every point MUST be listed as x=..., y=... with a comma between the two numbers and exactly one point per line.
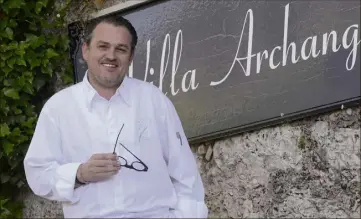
x=46, y=173
x=183, y=169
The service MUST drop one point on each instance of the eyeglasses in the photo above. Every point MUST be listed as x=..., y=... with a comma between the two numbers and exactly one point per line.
x=135, y=165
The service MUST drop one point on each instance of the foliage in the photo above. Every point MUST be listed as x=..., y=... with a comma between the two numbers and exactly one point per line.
x=34, y=50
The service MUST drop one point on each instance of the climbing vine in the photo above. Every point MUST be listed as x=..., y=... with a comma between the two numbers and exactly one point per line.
x=34, y=50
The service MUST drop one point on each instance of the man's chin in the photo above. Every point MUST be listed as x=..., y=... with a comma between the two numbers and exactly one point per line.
x=111, y=80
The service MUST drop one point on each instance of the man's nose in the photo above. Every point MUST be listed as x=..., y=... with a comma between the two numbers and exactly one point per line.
x=111, y=54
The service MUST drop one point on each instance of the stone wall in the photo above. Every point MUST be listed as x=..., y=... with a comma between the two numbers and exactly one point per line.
x=307, y=168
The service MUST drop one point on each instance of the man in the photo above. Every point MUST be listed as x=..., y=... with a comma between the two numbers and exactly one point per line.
x=113, y=146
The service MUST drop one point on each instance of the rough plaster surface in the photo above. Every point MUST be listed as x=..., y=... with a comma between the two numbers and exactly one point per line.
x=308, y=168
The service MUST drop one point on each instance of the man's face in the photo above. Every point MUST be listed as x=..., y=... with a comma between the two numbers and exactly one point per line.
x=108, y=55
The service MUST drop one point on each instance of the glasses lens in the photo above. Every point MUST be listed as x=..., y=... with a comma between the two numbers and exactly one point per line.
x=138, y=166
x=122, y=161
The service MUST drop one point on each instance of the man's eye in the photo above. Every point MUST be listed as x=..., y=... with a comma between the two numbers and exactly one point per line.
x=122, y=49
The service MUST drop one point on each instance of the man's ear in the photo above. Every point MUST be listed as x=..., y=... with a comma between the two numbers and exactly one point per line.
x=131, y=56
x=85, y=51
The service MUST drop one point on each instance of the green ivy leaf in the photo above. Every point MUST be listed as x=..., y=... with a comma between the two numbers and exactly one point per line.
x=53, y=41
x=28, y=89
x=50, y=53
x=29, y=111
x=21, y=81
x=19, y=119
x=18, y=111
x=16, y=132
x=33, y=26
x=30, y=37
x=8, y=83
x=29, y=123
x=6, y=55
x=15, y=3
x=45, y=63
x=3, y=23
x=34, y=41
x=4, y=130
x=11, y=92
x=3, y=202
x=39, y=5
x=5, y=110
x=9, y=33
x=23, y=45
x=12, y=23
x=29, y=56
x=3, y=47
x=45, y=2
x=11, y=62
x=5, y=8
x=34, y=62
x=20, y=61
x=29, y=76
x=6, y=69
x=13, y=45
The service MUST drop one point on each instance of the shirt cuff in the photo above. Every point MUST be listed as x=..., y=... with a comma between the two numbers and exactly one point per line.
x=65, y=182
x=187, y=208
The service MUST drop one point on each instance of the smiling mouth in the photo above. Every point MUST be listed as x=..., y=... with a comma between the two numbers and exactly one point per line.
x=109, y=65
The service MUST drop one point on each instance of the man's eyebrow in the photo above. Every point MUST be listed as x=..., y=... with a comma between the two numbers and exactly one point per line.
x=118, y=45
x=123, y=45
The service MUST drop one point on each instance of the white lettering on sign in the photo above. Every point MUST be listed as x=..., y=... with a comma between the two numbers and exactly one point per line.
x=308, y=48
x=189, y=77
x=290, y=52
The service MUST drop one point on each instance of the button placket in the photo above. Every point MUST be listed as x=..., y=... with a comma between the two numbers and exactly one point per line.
x=115, y=125
x=111, y=141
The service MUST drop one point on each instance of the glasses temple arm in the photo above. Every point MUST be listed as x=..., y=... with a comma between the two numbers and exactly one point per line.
x=115, y=145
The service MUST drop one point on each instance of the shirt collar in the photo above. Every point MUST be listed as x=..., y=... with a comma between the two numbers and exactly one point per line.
x=123, y=91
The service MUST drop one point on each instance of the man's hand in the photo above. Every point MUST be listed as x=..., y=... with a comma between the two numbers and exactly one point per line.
x=98, y=167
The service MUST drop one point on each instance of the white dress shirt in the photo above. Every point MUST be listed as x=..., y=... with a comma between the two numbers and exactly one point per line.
x=77, y=122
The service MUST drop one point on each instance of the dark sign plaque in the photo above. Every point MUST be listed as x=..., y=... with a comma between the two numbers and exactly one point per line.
x=230, y=66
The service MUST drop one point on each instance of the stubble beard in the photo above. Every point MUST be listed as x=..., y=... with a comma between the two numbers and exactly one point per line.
x=108, y=83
